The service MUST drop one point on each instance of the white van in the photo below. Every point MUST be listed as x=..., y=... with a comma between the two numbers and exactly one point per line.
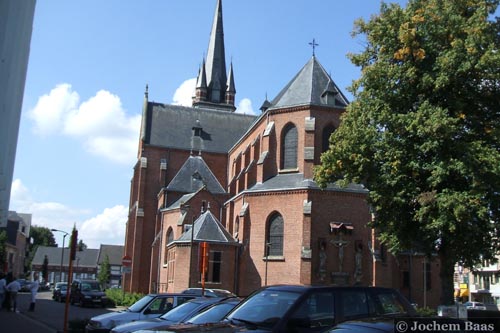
x=150, y=306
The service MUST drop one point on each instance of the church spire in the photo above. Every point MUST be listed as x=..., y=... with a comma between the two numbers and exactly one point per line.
x=216, y=57
x=219, y=89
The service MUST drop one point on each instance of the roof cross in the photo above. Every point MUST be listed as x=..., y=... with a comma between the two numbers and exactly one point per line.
x=314, y=44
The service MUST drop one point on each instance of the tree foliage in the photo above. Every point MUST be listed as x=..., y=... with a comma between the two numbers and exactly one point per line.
x=42, y=236
x=81, y=245
x=104, y=274
x=45, y=268
x=423, y=131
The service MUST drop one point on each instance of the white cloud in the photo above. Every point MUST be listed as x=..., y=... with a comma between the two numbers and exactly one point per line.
x=107, y=227
x=100, y=123
x=245, y=107
x=50, y=110
x=184, y=94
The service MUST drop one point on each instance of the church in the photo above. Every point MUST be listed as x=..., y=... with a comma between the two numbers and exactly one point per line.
x=229, y=200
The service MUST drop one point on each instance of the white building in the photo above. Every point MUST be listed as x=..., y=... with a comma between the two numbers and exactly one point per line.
x=16, y=24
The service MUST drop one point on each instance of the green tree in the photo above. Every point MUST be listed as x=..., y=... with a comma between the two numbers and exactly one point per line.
x=45, y=268
x=423, y=131
x=104, y=272
x=81, y=245
x=40, y=236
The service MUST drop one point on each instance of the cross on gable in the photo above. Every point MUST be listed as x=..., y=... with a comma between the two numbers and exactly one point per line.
x=314, y=44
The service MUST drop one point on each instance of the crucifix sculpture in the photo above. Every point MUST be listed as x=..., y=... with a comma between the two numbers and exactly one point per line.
x=340, y=243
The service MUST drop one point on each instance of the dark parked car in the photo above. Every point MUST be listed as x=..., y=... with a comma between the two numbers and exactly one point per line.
x=59, y=294
x=87, y=293
x=177, y=315
x=302, y=309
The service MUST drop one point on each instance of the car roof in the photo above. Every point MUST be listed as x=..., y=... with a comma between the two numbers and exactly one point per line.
x=304, y=288
x=168, y=294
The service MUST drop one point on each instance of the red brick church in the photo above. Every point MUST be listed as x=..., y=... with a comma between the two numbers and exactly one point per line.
x=244, y=185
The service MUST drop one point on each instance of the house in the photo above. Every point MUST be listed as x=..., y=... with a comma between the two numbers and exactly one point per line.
x=229, y=200
x=85, y=266
x=114, y=255
x=17, y=231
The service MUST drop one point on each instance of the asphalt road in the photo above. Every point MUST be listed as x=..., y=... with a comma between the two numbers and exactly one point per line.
x=48, y=316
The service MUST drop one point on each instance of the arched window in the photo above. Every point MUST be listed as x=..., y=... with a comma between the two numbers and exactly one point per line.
x=327, y=132
x=170, y=236
x=237, y=228
x=275, y=235
x=170, y=239
x=289, y=145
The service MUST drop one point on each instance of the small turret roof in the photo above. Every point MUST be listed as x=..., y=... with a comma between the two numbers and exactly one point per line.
x=230, y=80
x=207, y=228
x=193, y=175
x=310, y=87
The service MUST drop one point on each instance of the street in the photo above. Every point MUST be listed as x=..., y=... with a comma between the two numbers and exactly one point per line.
x=48, y=316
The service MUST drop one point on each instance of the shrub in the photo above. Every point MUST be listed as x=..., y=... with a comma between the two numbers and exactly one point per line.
x=120, y=298
x=426, y=312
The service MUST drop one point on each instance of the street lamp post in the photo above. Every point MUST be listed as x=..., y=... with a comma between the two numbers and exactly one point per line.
x=62, y=252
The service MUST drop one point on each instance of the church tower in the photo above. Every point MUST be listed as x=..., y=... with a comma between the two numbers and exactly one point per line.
x=214, y=88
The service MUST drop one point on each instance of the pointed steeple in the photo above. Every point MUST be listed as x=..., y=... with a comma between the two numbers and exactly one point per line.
x=217, y=83
x=202, y=77
x=231, y=89
x=216, y=56
x=144, y=113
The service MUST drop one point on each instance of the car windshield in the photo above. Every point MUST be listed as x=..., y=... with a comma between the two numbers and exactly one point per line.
x=140, y=304
x=265, y=308
x=179, y=312
x=63, y=287
x=223, y=293
x=91, y=286
x=213, y=314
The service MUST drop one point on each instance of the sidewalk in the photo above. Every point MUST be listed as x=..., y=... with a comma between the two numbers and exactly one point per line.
x=21, y=323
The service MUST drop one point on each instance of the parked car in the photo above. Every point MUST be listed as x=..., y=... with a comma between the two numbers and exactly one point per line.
x=177, y=315
x=209, y=316
x=301, y=309
x=87, y=293
x=60, y=291
x=475, y=306
x=57, y=286
x=150, y=306
x=25, y=285
x=207, y=292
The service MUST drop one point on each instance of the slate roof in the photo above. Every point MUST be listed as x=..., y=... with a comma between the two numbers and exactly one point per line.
x=114, y=252
x=193, y=175
x=309, y=87
x=297, y=181
x=184, y=199
x=207, y=228
x=87, y=257
x=171, y=126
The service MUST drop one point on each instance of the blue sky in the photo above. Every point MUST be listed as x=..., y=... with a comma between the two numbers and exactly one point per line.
x=91, y=60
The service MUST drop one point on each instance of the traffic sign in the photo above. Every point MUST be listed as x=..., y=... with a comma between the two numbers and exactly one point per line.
x=126, y=261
